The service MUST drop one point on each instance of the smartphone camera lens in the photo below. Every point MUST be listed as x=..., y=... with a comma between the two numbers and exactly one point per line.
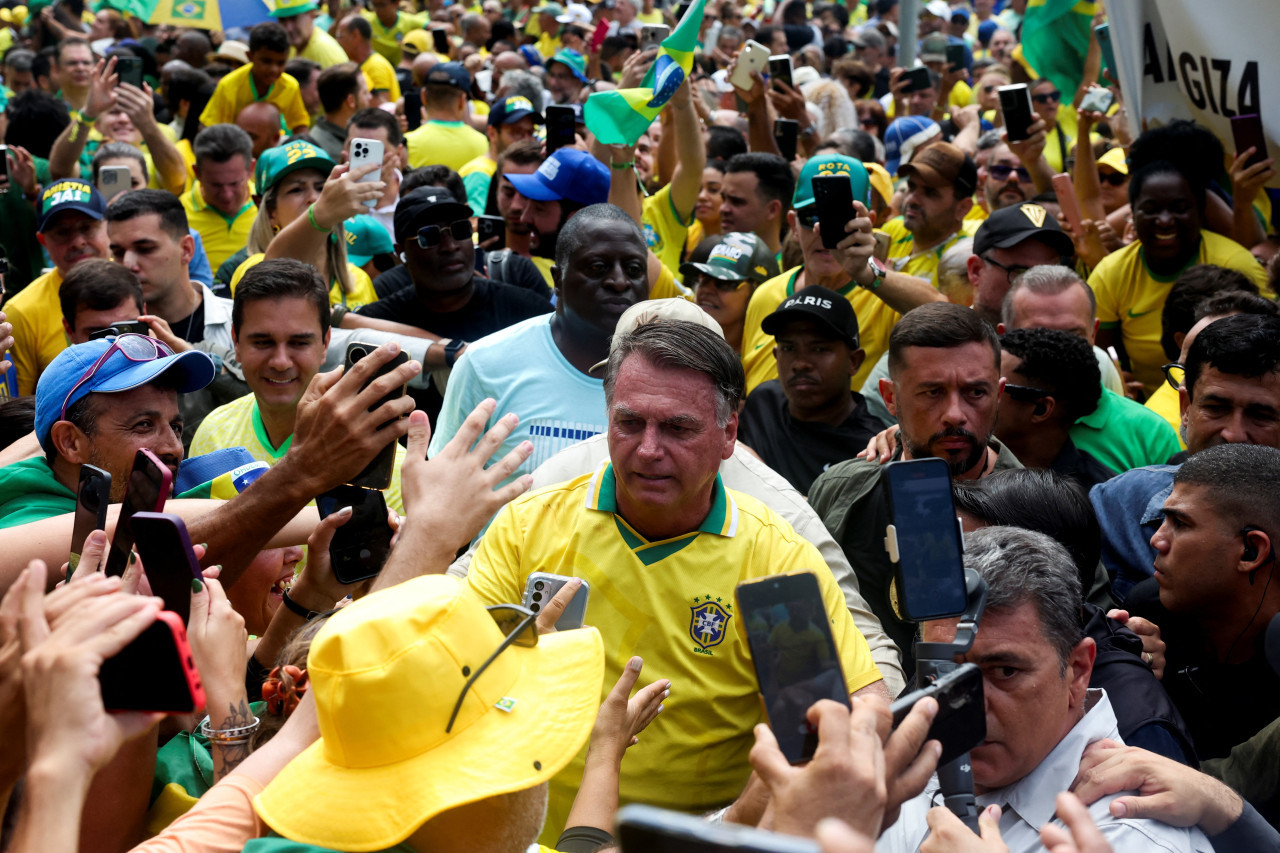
x=537, y=596
x=538, y=584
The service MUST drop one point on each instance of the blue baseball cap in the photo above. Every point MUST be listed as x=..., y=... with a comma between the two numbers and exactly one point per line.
x=568, y=173
x=192, y=370
x=449, y=74
x=69, y=194
x=903, y=136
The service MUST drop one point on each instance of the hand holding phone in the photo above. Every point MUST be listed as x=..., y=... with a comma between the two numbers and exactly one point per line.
x=129, y=70
x=780, y=71
x=490, y=227
x=148, y=488
x=753, y=58
x=377, y=474
x=363, y=153
x=833, y=196
x=168, y=559
x=1246, y=133
x=786, y=133
x=542, y=587
x=92, y=498
x=961, y=721
x=155, y=672
x=359, y=547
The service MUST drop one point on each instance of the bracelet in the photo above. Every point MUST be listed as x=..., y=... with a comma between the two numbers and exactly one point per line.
x=87, y=119
x=336, y=313
x=626, y=165
x=311, y=217
x=451, y=350
x=297, y=608
x=237, y=735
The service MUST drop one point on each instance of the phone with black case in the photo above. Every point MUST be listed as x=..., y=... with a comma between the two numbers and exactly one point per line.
x=377, y=474
x=961, y=721
x=150, y=482
x=1246, y=133
x=489, y=227
x=794, y=655
x=786, y=133
x=780, y=71
x=129, y=69
x=440, y=41
x=647, y=829
x=920, y=79
x=155, y=672
x=923, y=539
x=833, y=197
x=93, y=495
x=560, y=127
x=168, y=559
x=1015, y=104
x=359, y=547
x=123, y=327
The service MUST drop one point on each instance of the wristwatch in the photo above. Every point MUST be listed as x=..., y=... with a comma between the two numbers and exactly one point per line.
x=452, y=349
x=878, y=273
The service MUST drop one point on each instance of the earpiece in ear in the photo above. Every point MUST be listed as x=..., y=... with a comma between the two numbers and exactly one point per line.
x=1250, y=550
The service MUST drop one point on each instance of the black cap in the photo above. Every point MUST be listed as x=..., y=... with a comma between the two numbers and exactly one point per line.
x=426, y=206
x=823, y=306
x=1009, y=226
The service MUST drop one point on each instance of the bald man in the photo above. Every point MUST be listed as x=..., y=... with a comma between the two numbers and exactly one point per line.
x=261, y=120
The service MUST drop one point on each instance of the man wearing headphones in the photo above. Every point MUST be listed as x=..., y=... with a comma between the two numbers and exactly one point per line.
x=1215, y=595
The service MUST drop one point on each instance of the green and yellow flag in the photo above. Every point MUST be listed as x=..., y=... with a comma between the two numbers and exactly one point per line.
x=1055, y=39
x=622, y=116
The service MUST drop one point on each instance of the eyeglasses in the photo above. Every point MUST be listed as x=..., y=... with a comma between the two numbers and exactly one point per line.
x=429, y=235
x=1012, y=272
x=136, y=348
x=1175, y=374
x=720, y=284
x=1114, y=178
x=519, y=624
x=1047, y=97
x=807, y=219
x=1001, y=172
x=987, y=90
x=1025, y=393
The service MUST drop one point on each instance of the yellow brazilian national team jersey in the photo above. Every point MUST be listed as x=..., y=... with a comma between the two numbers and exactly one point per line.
x=875, y=321
x=381, y=76
x=222, y=235
x=663, y=228
x=239, y=424
x=386, y=40
x=672, y=603
x=38, y=335
x=362, y=292
x=1131, y=297
x=448, y=143
x=236, y=91
x=904, y=258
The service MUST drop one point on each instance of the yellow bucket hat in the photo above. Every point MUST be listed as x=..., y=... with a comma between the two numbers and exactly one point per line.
x=386, y=673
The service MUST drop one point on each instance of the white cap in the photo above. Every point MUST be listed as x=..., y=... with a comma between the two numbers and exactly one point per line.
x=650, y=310
x=576, y=13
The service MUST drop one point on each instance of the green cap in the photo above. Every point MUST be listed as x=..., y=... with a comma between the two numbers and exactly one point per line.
x=831, y=164
x=290, y=8
x=275, y=163
x=736, y=256
x=365, y=238
x=577, y=63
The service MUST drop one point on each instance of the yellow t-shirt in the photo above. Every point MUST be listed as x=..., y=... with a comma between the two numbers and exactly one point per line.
x=222, y=235
x=362, y=292
x=1165, y=402
x=239, y=424
x=322, y=49
x=663, y=228
x=451, y=143
x=547, y=45
x=386, y=40
x=38, y=335
x=1131, y=297
x=696, y=232
x=236, y=91
x=381, y=75
x=1059, y=142
x=672, y=603
x=902, y=255
x=875, y=321
x=666, y=287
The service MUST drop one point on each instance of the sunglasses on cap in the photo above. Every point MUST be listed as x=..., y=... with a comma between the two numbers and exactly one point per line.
x=136, y=348
x=1116, y=179
x=429, y=235
x=1025, y=393
x=518, y=624
x=1001, y=172
x=1175, y=374
x=1047, y=97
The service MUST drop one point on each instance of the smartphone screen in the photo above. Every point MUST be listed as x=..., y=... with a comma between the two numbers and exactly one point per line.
x=833, y=196
x=926, y=538
x=168, y=559
x=441, y=40
x=148, y=488
x=359, y=547
x=955, y=57
x=794, y=655
x=786, y=133
x=92, y=498
x=155, y=672
x=129, y=70
x=1015, y=103
x=377, y=474
x=1246, y=132
x=780, y=70
x=560, y=127
x=961, y=722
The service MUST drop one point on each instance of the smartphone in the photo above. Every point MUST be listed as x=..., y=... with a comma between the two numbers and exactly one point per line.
x=1068, y=203
x=129, y=70
x=753, y=57
x=92, y=498
x=648, y=829
x=1103, y=32
x=561, y=121
x=681, y=9
x=155, y=672
x=168, y=559
x=1247, y=133
x=880, y=251
x=653, y=35
x=1015, y=103
x=124, y=327
x=542, y=587
x=598, y=36
x=1097, y=100
x=961, y=722
x=359, y=547
x=786, y=133
x=920, y=79
x=780, y=70
x=149, y=484
x=441, y=39
x=833, y=197
x=955, y=57
x=489, y=227
x=377, y=474
x=363, y=152
x=793, y=652
x=4, y=165
x=923, y=539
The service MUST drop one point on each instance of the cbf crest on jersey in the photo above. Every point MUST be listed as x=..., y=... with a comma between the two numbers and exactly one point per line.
x=708, y=623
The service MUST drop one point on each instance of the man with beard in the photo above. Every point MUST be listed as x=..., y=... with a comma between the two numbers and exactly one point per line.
x=941, y=180
x=944, y=387
x=1007, y=181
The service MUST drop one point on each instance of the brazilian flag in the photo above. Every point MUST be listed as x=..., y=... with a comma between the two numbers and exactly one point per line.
x=1055, y=39
x=622, y=116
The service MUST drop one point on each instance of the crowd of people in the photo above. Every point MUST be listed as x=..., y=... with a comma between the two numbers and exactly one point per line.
x=348, y=260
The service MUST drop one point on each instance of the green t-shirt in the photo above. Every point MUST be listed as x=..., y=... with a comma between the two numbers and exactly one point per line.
x=1122, y=434
x=18, y=233
x=30, y=492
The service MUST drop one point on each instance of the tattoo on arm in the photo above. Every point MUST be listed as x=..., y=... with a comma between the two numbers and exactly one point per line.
x=232, y=754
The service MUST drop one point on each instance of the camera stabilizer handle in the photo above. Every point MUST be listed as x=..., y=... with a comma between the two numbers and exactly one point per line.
x=933, y=660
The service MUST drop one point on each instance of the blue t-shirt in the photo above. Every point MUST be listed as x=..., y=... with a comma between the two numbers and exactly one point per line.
x=199, y=269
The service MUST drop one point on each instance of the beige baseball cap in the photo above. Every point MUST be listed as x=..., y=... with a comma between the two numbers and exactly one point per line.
x=650, y=310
